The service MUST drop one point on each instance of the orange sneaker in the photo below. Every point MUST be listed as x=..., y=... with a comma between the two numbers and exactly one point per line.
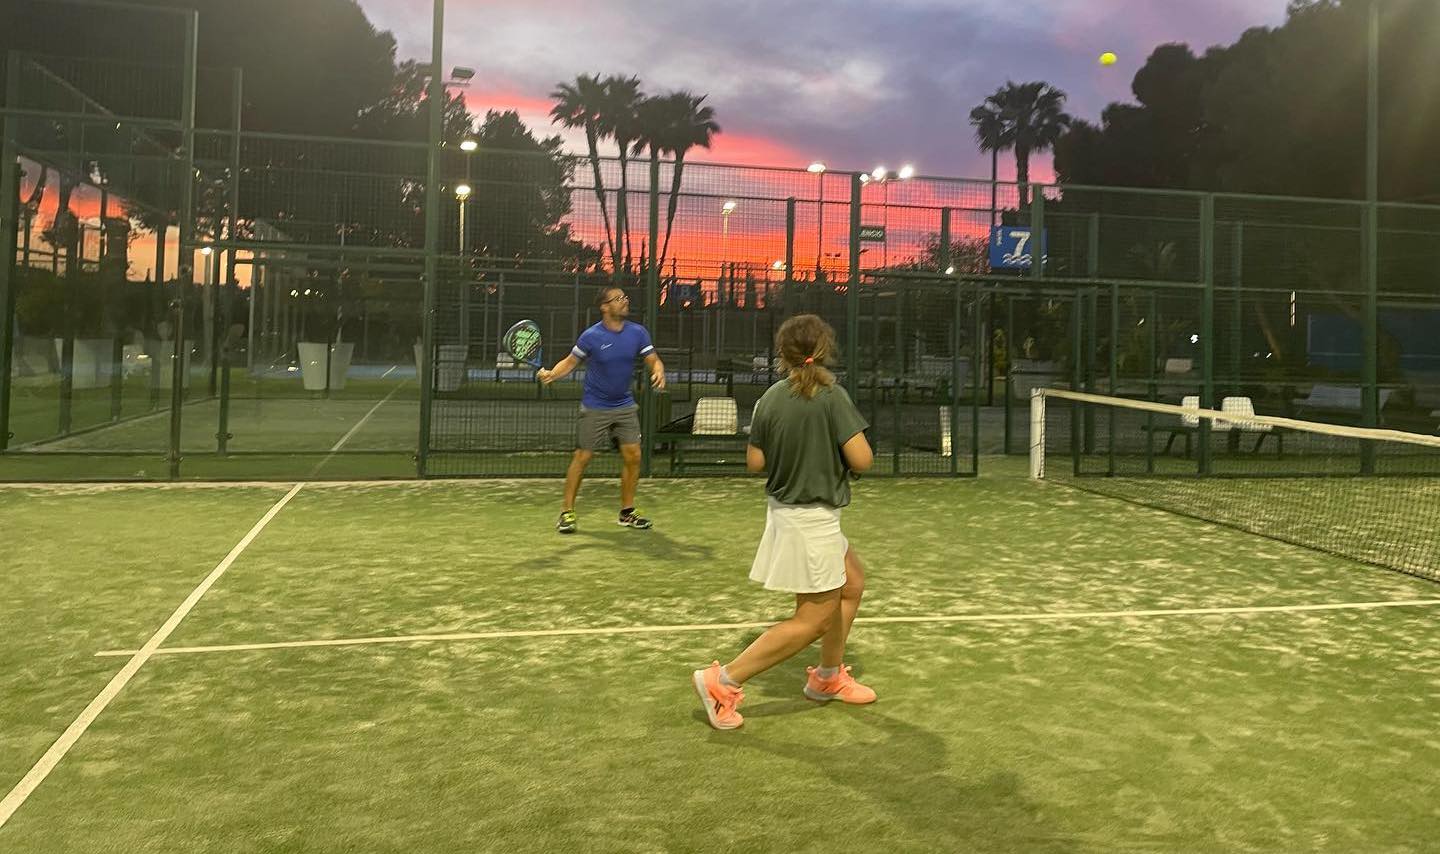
x=720, y=701
x=842, y=686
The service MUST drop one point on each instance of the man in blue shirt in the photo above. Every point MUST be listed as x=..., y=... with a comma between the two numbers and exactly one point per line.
x=608, y=411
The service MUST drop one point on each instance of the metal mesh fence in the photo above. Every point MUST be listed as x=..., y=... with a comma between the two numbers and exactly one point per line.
x=294, y=320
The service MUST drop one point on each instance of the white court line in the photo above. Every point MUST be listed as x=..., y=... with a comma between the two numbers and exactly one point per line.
x=365, y=420
x=77, y=728
x=393, y=369
x=356, y=429
x=709, y=627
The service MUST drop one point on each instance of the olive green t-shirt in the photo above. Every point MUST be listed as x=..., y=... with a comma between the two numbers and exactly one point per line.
x=801, y=439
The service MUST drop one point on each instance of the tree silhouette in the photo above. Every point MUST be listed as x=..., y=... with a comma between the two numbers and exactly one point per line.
x=579, y=105
x=675, y=124
x=620, y=120
x=1281, y=110
x=522, y=197
x=1026, y=118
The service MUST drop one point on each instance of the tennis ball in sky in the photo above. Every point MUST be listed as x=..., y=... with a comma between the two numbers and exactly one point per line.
x=1108, y=58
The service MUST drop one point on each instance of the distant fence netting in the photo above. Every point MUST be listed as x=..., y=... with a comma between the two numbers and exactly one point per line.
x=287, y=339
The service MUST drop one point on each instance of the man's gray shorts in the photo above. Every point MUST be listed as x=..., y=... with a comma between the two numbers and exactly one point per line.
x=599, y=428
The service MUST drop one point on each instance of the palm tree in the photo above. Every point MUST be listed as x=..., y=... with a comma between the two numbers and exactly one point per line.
x=994, y=136
x=579, y=104
x=1031, y=116
x=31, y=206
x=619, y=119
x=675, y=124
x=654, y=132
x=63, y=233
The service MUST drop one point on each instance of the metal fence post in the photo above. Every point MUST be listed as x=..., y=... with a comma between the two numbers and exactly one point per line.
x=9, y=225
x=179, y=370
x=1207, y=325
x=652, y=313
x=852, y=293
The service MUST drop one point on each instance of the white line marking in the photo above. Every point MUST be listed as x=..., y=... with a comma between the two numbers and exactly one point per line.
x=708, y=627
x=363, y=421
x=353, y=430
x=393, y=369
x=77, y=728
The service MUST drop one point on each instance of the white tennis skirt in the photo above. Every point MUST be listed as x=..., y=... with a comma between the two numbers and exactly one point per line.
x=802, y=551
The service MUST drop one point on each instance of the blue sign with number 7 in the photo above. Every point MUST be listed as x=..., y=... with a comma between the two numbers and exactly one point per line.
x=1010, y=247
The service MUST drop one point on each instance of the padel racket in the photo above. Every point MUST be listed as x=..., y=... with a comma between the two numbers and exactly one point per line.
x=523, y=341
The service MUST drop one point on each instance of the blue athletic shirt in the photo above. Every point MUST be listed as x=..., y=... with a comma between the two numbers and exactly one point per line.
x=610, y=363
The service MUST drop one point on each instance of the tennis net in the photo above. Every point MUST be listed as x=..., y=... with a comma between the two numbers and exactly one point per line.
x=1371, y=495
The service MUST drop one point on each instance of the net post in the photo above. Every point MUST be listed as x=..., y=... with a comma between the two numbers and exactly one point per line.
x=1207, y=326
x=1370, y=414
x=1075, y=371
x=1114, y=371
x=1037, y=433
x=1370, y=417
x=1092, y=344
x=1237, y=281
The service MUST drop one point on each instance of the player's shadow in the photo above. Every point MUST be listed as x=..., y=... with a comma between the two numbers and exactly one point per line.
x=651, y=545
x=907, y=772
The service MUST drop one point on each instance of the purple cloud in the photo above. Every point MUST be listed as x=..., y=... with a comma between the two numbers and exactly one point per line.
x=854, y=83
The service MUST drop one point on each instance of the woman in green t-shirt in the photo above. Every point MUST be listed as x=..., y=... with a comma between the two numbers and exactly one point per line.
x=809, y=437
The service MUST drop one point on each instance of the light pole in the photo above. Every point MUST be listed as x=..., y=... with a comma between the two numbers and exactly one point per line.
x=462, y=195
x=818, y=169
x=469, y=146
x=721, y=283
x=207, y=303
x=884, y=176
x=462, y=200
x=725, y=211
x=462, y=192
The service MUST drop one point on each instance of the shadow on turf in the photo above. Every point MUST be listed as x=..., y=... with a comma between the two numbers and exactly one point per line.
x=651, y=544
x=903, y=767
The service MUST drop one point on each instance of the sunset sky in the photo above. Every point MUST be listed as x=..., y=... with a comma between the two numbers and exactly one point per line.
x=863, y=84
x=854, y=83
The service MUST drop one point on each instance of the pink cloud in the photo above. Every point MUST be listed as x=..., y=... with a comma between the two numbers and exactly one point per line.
x=751, y=150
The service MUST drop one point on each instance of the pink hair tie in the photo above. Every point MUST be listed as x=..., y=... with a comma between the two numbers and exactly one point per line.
x=809, y=360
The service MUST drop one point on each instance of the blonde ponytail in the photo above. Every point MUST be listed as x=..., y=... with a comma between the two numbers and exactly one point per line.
x=806, y=344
